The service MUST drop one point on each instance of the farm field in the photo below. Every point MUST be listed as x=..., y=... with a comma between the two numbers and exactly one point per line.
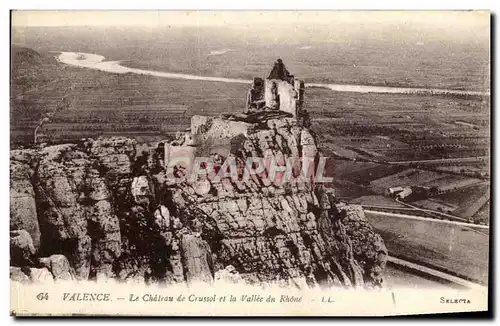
x=470, y=170
x=469, y=195
x=470, y=201
x=397, y=127
x=474, y=208
x=150, y=108
x=410, y=177
x=436, y=205
x=451, y=182
x=395, y=278
x=455, y=249
x=483, y=214
x=376, y=201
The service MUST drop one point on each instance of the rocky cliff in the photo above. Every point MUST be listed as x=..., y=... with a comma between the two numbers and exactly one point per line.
x=106, y=208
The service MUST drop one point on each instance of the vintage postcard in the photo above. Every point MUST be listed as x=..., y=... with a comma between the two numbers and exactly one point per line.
x=249, y=163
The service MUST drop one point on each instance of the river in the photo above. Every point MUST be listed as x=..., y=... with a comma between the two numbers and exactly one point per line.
x=98, y=62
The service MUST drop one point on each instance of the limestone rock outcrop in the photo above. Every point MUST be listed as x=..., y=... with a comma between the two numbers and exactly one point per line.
x=22, y=250
x=26, y=267
x=107, y=208
x=23, y=214
x=59, y=267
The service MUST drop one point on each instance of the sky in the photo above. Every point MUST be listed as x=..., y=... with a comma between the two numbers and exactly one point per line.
x=446, y=19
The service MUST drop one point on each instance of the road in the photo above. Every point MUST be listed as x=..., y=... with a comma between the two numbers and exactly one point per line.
x=420, y=218
x=431, y=211
x=429, y=273
x=411, y=208
x=444, y=160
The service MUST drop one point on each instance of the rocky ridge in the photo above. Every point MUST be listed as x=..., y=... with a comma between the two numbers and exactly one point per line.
x=105, y=208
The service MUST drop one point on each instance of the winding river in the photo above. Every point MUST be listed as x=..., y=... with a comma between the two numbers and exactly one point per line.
x=95, y=61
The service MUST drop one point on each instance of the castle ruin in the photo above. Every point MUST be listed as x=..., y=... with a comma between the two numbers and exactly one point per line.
x=277, y=99
x=279, y=91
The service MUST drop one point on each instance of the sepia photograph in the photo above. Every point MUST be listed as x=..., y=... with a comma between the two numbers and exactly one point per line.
x=249, y=163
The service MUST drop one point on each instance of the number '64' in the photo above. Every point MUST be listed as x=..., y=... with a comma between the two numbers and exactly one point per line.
x=42, y=296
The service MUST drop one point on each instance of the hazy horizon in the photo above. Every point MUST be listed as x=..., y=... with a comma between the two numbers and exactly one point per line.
x=449, y=49
x=453, y=18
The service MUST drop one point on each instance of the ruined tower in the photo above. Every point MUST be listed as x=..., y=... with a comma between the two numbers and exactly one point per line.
x=279, y=91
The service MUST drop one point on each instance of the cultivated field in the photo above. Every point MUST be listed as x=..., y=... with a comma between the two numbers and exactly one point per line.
x=395, y=278
x=457, y=250
x=377, y=201
x=410, y=177
x=88, y=103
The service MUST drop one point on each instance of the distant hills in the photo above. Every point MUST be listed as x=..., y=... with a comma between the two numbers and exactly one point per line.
x=22, y=56
x=35, y=88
